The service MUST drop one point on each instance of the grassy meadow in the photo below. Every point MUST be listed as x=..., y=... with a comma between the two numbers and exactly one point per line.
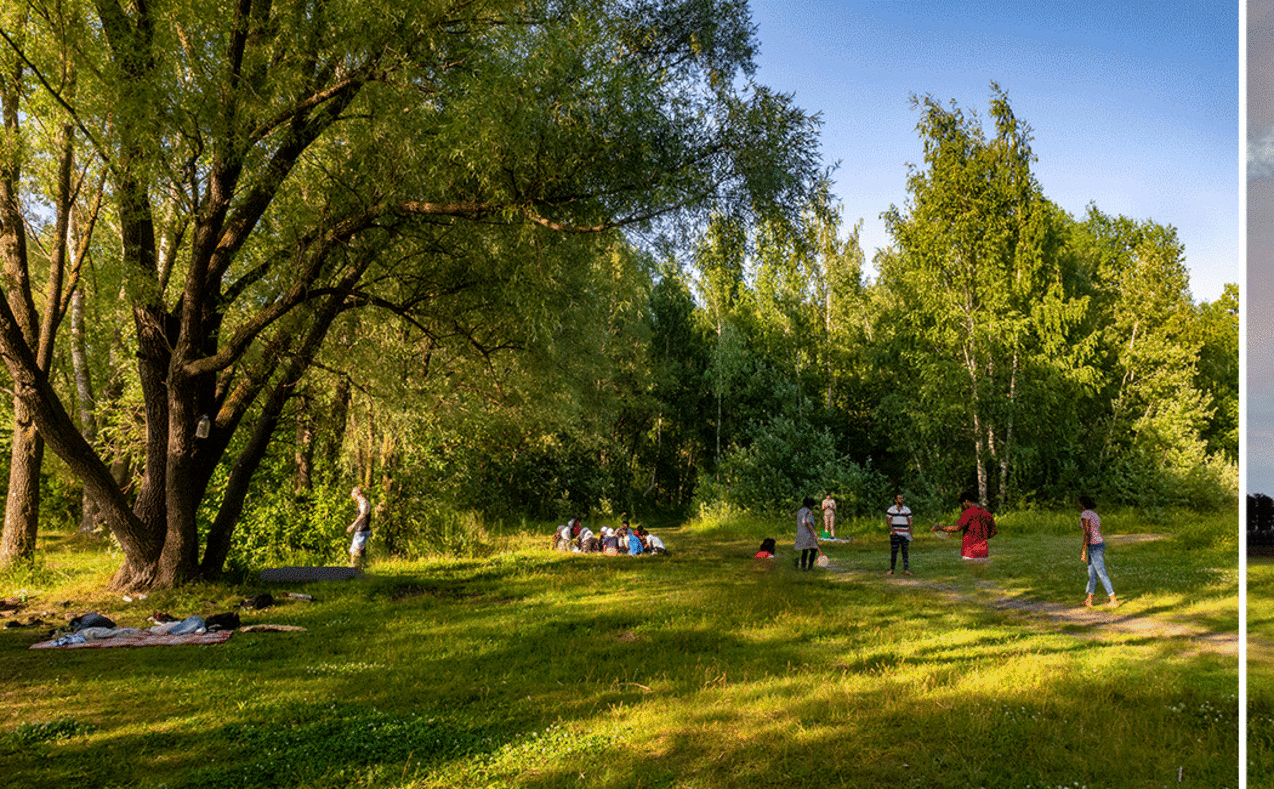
x=1260, y=671
x=532, y=668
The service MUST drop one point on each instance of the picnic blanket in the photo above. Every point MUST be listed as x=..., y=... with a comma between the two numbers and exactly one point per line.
x=301, y=574
x=133, y=637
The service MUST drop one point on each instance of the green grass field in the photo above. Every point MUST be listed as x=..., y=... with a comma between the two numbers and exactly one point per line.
x=537, y=669
x=1260, y=671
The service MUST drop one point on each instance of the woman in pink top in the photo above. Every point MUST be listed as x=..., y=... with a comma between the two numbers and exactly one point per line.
x=1094, y=552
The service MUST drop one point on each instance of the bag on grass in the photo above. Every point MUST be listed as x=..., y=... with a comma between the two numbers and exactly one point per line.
x=91, y=619
x=227, y=621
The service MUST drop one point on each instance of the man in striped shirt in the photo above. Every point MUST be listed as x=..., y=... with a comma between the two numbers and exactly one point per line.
x=898, y=518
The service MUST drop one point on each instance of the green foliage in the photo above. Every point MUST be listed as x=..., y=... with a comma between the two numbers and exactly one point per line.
x=27, y=735
x=1207, y=486
x=1218, y=372
x=60, y=497
x=308, y=527
x=459, y=174
x=439, y=531
x=485, y=366
x=282, y=527
x=787, y=459
x=1195, y=530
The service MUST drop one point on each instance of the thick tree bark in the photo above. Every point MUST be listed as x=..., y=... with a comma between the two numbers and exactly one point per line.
x=22, y=504
x=227, y=158
x=85, y=399
x=179, y=561
x=32, y=387
x=303, y=457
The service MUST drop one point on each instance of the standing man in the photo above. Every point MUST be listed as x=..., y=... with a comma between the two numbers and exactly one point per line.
x=361, y=527
x=829, y=516
x=976, y=524
x=898, y=519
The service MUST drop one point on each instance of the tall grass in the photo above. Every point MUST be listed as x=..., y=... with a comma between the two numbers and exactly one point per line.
x=531, y=668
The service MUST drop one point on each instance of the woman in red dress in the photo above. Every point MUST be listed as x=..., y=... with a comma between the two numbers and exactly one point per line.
x=976, y=524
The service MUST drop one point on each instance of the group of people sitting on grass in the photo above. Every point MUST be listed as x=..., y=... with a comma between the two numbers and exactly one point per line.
x=575, y=537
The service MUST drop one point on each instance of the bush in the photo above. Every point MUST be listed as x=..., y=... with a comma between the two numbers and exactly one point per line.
x=280, y=527
x=786, y=460
x=441, y=531
x=29, y=734
x=1138, y=480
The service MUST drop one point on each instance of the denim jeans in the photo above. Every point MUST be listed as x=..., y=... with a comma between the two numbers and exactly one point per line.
x=1097, y=568
x=895, y=543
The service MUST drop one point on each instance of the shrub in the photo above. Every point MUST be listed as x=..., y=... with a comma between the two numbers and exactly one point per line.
x=786, y=460
x=29, y=734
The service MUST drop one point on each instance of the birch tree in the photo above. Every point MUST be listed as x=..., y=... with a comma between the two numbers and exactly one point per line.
x=974, y=288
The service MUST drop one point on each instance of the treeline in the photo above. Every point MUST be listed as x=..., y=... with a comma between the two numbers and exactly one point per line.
x=531, y=259
x=1260, y=519
x=1005, y=346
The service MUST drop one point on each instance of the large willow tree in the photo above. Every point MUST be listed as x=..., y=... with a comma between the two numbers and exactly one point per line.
x=272, y=164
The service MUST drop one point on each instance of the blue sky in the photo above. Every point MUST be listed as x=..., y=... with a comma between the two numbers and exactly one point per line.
x=1134, y=106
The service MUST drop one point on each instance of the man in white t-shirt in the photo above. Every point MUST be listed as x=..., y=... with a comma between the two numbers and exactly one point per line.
x=898, y=518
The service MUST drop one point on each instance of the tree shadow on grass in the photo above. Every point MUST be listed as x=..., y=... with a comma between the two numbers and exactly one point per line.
x=449, y=677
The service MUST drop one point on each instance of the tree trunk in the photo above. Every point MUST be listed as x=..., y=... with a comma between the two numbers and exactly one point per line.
x=179, y=561
x=152, y=365
x=338, y=420
x=22, y=505
x=303, y=476
x=32, y=388
x=85, y=400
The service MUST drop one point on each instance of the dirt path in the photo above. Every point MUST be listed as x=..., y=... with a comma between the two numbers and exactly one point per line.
x=1095, y=622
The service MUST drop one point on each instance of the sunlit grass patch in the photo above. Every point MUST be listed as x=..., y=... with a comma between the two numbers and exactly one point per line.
x=1260, y=672
x=539, y=669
